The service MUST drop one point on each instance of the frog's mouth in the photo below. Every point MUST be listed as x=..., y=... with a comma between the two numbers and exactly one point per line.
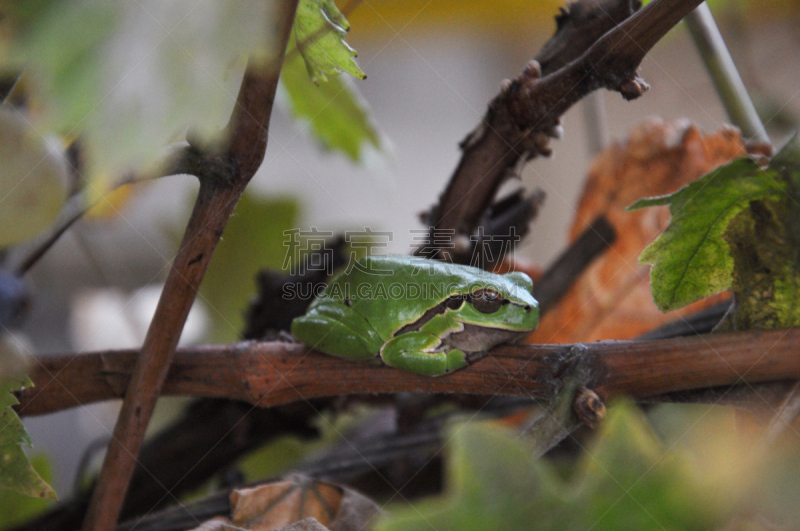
x=473, y=338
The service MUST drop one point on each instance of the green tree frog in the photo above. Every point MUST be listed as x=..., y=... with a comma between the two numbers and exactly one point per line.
x=419, y=315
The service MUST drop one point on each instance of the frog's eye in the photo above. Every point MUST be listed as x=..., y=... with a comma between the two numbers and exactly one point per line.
x=487, y=300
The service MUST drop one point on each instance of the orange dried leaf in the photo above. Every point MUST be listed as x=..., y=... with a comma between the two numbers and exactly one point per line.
x=279, y=504
x=297, y=502
x=611, y=299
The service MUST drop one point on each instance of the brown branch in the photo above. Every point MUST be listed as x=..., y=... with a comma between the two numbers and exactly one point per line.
x=597, y=45
x=232, y=169
x=270, y=374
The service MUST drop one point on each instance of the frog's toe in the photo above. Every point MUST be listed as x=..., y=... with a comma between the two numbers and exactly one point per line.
x=418, y=353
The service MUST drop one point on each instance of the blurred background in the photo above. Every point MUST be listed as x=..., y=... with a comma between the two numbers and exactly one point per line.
x=432, y=66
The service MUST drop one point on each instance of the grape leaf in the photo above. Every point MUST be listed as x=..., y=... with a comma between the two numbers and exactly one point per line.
x=16, y=472
x=333, y=110
x=691, y=258
x=130, y=77
x=319, y=30
x=627, y=480
x=15, y=509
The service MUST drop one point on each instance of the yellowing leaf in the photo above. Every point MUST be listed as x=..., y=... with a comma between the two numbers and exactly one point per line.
x=33, y=179
x=691, y=258
x=16, y=472
x=16, y=508
x=319, y=30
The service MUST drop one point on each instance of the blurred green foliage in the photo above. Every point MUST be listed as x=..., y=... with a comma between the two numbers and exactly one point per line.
x=130, y=77
x=253, y=240
x=626, y=480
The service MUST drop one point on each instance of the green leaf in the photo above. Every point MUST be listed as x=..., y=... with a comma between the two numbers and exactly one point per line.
x=627, y=480
x=319, y=32
x=33, y=179
x=493, y=482
x=16, y=472
x=253, y=240
x=15, y=508
x=630, y=481
x=131, y=77
x=765, y=245
x=691, y=258
x=333, y=110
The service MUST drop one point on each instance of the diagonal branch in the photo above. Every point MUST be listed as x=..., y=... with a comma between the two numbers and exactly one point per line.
x=597, y=45
x=223, y=178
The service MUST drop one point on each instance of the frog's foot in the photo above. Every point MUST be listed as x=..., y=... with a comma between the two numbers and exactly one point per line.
x=331, y=336
x=418, y=352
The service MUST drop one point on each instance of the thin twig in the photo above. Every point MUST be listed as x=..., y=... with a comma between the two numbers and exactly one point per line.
x=75, y=213
x=7, y=84
x=701, y=322
x=179, y=159
x=724, y=74
x=557, y=280
x=218, y=195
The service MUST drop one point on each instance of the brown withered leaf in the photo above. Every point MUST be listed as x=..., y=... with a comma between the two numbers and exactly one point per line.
x=279, y=504
x=294, y=504
x=611, y=299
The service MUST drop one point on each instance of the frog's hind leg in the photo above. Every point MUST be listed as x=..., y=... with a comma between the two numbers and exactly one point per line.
x=417, y=352
x=330, y=335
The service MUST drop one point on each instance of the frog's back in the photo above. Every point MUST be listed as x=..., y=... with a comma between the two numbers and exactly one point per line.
x=390, y=292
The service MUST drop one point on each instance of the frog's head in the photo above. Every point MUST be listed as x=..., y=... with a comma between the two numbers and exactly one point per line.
x=494, y=310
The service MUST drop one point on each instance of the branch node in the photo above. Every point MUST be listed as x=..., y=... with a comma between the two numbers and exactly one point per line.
x=633, y=87
x=589, y=407
x=533, y=69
